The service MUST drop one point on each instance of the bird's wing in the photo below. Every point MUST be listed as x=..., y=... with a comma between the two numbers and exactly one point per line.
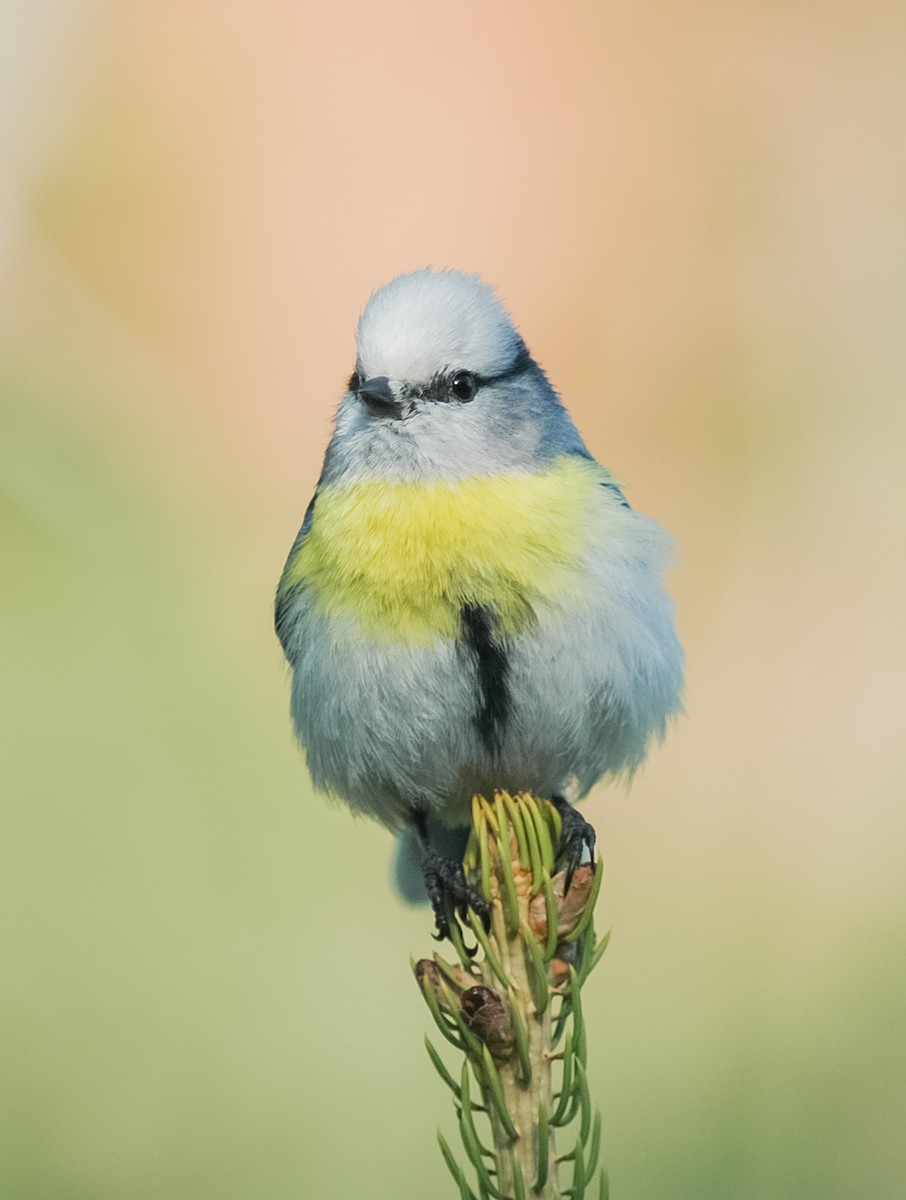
x=614, y=487
x=605, y=478
x=287, y=588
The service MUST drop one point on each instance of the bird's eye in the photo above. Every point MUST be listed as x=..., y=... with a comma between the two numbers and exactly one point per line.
x=354, y=382
x=463, y=385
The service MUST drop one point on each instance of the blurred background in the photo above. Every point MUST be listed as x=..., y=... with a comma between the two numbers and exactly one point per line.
x=696, y=214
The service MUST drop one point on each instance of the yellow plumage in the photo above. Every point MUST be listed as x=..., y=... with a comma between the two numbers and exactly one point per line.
x=403, y=557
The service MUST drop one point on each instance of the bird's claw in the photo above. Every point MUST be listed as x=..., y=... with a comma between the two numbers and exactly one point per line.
x=577, y=838
x=450, y=893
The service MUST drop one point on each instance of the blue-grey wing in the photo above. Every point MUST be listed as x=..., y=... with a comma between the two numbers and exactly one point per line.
x=615, y=488
x=611, y=484
x=285, y=608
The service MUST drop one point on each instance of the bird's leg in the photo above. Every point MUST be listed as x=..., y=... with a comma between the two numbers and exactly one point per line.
x=448, y=889
x=577, y=837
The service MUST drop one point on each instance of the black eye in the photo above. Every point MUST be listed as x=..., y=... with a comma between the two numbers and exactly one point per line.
x=463, y=385
x=354, y=382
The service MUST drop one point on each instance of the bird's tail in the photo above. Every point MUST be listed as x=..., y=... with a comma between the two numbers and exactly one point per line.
x=408, y=877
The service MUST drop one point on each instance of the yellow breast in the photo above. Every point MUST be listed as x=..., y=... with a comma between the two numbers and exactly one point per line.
x=403, y=557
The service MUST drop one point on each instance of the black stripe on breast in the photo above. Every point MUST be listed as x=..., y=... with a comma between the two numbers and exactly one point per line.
x=487, y=648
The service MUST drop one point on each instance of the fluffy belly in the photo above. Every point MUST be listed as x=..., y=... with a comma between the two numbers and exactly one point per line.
x=388, y=727
x=451, y=640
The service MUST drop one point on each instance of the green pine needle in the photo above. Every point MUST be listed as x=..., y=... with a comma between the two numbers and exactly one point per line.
x=505, y=1007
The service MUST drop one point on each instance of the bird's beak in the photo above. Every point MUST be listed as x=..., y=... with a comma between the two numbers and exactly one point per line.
x=378, y=395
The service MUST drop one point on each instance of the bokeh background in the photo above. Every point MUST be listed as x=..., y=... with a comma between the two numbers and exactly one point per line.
x=696, y=213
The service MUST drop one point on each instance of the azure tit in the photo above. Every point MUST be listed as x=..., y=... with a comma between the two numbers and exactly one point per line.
x=471, y=604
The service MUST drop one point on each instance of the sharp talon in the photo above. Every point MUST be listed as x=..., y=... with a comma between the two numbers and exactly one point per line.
x=578, y=837
x=449, y=891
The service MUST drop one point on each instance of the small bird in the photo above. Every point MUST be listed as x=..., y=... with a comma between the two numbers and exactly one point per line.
x=471, y=604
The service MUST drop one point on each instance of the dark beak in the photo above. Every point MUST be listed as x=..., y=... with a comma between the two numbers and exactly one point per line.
x=378, y=395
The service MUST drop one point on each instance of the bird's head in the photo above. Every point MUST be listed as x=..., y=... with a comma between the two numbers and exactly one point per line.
x=443, y=385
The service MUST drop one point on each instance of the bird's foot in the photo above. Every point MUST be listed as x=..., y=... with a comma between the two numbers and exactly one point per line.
x=577, y=838
x=450, y=893
x=449, y=890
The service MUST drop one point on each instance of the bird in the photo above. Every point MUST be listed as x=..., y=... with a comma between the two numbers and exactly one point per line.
x=470, y=605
